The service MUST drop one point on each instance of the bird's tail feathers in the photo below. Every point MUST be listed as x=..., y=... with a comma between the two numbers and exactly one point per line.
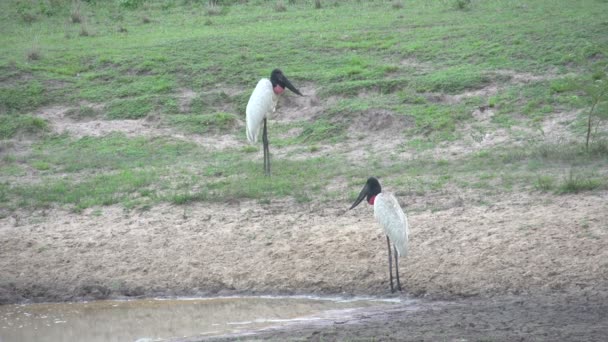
x=252, y=136
x=401, y=247
x=402, y=250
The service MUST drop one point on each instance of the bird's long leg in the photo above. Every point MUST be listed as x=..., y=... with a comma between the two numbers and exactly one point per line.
x=266, y=150
x=390, y=263
x=397, y=269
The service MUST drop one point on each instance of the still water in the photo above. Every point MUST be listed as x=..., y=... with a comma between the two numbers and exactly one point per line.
x=162, y=319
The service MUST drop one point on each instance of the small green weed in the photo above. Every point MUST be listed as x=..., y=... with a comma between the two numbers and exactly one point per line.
x=544, y=183
x=10, y=125
x=188, y=197
x=134, y=108
x=578, y=183
x=462, y=4
x=22, y=97
x=250, y=149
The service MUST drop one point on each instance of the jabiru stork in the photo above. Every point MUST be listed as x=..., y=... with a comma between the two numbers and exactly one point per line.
x=391, y=217
x=262, y=103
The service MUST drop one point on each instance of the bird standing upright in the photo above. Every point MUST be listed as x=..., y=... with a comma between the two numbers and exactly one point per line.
x=261, y=105
x=392, y=219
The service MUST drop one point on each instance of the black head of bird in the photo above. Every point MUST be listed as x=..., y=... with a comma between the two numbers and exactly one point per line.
x=370, y=190
x=280, y=82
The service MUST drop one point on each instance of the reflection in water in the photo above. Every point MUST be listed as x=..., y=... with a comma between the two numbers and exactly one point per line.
x=157, y=320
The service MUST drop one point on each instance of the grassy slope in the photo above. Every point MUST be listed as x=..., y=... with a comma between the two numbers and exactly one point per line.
x=135, y=61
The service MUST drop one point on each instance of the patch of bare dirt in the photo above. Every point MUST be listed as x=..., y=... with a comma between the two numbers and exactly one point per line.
x=486, y=91
x=376, y=120
x=557, y=127
x=525, y=77
x=491, y=89
x=292, y=107
x=422, y=67
x=522, y=244
x=61, y=122
x=185, y=98
x=481, y=134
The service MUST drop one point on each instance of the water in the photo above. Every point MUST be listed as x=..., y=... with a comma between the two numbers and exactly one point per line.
x=162, y=319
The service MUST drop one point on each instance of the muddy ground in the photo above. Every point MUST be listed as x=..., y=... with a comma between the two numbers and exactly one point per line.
x=542, y=256
x=504, y=318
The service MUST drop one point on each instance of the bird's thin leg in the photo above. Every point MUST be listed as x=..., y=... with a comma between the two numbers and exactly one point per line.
x=397, y=269
x=390, y=263
x=266, y=150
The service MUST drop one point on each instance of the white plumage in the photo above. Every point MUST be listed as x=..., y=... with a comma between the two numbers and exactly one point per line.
x=262, y=103
x=393, y=220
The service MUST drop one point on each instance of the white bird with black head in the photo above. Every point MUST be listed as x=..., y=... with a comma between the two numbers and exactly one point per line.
x=391, y=217
x=262, y=103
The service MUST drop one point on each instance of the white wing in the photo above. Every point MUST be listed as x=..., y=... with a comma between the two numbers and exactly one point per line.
x=261, y=104
x=393, y=220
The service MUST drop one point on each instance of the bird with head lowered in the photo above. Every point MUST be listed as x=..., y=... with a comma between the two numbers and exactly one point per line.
x=262, y=103
x=391, y=217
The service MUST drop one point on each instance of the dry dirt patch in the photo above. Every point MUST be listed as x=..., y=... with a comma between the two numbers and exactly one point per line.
x=292, y=107
x=522, y=244
x=491, y=89
x=379, y=120
x=185, y=98
x=61, y=122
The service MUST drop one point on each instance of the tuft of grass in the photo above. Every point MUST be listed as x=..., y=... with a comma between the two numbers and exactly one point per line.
x=75, y=15
x=544, y=183
x=34, y=54
x=41, y=165
x=462, y=4
x=129, y=108
x=203, y=123
x=130, y=4
x=578, y=183
x=317, y=4
x=213, y=9
x=280, y=6
x=250, y=149
x=11, y=125
x=84, y=31
x=321, y=130
x=188, y=197
x=22, y=97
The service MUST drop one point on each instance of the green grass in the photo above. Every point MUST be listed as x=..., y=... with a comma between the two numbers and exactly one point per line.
x=10, y=125
x=22, y=96
x=203, y=123
x=359, y=56
x=112, y=152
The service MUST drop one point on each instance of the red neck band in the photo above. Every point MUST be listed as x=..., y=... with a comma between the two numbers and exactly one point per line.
x=278, y=89
x=372, y=200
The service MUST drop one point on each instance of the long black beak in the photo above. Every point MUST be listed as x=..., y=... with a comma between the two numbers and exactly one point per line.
x=362, y=195
x=290, y=86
